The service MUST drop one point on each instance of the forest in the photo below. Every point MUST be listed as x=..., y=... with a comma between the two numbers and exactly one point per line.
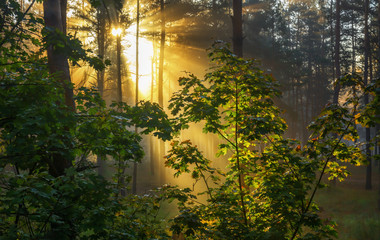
x=189, y=119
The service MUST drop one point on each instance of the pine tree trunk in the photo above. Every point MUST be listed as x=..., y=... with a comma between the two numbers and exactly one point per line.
x=101, y=47
x=368, y=182
x=337, y=51
x=161, y=61
x=151, y=141
x=101, y=28
x=237, y=28
x=332, y=39
x=377, y=130
x=134, y=177
x=161, y=80
x=118, y=62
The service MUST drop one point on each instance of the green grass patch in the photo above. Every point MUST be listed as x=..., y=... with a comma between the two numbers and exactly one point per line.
x=354, y=210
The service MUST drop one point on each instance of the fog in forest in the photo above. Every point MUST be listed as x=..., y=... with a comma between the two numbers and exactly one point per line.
x=295, y=42
x=313, y=49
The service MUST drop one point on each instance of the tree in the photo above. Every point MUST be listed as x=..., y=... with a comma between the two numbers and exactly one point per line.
x=234, y=101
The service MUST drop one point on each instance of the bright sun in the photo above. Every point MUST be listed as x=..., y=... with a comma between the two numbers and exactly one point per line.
x=145, y=59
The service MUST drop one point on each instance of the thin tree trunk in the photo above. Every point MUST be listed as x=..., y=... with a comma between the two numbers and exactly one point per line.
x=134, y=177
x=337, y=59
x=353, y=43
x=100, y=74
x=151, y=142
x=337, y=51
x=161, y=61
x=368, y=182
x=119, y=92
x=161, y=78
x=237, y=28
x=378, y=76
x=101, y=47
x=119, y=85
x=332, y=39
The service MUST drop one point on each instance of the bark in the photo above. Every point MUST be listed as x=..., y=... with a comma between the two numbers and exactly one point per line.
x=378, y=40
x=332, y=39
x=101, y=31
x=119, y=85
x=237, y=28
x=63, y=4
x=368, y=182
x=336, y=60
x=137, y=52
x=101, y=47
x=55, y=19
x=57, y=62
x=161, y=78
x=378, y=75
x=162, y=52
x=353, y=44
x=134, y=177
x=337, y=51
x=151, y=143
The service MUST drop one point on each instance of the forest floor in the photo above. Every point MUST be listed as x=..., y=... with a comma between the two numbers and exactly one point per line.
x=354, y=209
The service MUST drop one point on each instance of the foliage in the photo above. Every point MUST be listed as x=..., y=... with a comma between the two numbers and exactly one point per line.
x=270, y=183
x=79, y=204
x=266, y=193
x=36, y=127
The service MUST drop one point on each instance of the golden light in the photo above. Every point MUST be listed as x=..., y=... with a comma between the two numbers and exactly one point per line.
x=116, y=31
x=145, y=59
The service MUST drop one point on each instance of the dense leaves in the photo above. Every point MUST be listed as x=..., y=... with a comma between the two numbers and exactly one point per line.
x=37, y=128
x=269, y=187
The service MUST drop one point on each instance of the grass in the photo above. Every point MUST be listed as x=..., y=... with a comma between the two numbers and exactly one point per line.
x=354, y=210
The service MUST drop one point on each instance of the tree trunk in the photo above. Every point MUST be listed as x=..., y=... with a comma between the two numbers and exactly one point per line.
x=101, y=47
x=118, y=52
x=368, y=181
x=134, y=177
x=378, y=40
x=332, y=39
x=57, y=62
x=237, y=28
x=378, y=76
x=161, y=61
x=161, y=80
x=101, y=30
x=55, y=18
x=337, y=51
x=151, y=140
x=353, y=41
